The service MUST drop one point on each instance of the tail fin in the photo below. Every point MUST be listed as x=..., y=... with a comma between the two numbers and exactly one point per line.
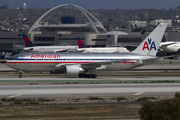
x=151, y=44
x=142, y=32
x=163, y=39
x=27, y=41
x=81, y=43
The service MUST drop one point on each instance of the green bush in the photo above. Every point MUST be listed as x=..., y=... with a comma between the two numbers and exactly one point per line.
x=95, y=98
x=120, y=98
x=142, y=99
x=18, y=102
x=31, y=103
x=177, y=95
x=43, y=99
x=27, y=100
x=161, y=110
x=8, y=100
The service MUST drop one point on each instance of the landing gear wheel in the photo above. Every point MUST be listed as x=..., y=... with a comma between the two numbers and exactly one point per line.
x=85, y=75
x=89, y=75
x=20, y=76
x=80, y=75
x=94, y=76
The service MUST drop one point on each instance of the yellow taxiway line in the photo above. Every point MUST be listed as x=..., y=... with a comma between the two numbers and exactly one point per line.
x=14, y=95
x=138, y=93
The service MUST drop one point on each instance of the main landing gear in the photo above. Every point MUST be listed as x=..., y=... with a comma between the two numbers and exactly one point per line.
x=81, y=75
x=20, y=74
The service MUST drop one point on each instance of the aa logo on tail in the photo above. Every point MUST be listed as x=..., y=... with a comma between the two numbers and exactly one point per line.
x=149, y=43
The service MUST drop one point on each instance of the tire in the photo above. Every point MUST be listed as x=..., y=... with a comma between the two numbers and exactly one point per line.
x=89, y=75
x=94, y=76
x=80, y=75
x=20, y=76
x=85, y=75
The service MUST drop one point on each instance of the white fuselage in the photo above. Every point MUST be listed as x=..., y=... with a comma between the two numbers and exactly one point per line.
x=49, y=48
x=54, y=61
x=103, y=50
x=170, y=46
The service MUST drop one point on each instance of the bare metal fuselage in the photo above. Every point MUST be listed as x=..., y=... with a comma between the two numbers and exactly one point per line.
x=49, y=61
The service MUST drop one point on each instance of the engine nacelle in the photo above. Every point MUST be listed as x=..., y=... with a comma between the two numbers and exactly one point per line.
x=73, y=69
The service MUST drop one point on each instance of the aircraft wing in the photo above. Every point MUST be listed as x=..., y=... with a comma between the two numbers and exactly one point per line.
x=27, y=49
x=62, y=50
x=99, y=64
x=80, y=50
x=93, y=65
x=160, y=58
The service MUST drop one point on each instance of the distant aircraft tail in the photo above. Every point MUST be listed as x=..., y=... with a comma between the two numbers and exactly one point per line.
x=163, y=39
x=81, y=43
x=142, y=32
x=151, y=44
x=27, y=41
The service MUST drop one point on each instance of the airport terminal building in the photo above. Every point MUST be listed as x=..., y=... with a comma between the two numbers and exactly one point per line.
x=66, y=31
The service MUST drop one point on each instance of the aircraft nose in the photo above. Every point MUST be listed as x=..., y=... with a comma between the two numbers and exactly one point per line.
x=7, y=63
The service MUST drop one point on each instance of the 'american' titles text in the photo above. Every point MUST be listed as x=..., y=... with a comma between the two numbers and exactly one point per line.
x=45, y=56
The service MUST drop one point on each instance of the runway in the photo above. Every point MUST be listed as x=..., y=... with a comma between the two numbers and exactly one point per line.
x=102, y=79
x=33, y=91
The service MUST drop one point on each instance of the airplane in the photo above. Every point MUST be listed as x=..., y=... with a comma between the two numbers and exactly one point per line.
x=30, y=47
x=85, y=64
x=82, y=48
x=142, y=32
x=170, y=46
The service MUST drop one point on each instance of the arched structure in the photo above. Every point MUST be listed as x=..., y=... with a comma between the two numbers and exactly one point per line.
x=93, y=25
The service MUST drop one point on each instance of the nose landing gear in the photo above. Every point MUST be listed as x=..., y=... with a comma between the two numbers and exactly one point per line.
x=20, y=74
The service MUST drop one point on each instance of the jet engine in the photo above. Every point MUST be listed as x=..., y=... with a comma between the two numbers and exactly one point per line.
x=73, y=69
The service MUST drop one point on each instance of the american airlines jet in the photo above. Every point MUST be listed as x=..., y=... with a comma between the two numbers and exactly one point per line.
x=85, y=64
x=30, y=47
x=84, y=49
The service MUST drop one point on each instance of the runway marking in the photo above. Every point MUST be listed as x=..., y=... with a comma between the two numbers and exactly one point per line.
x=14, y=95
x=138, y=93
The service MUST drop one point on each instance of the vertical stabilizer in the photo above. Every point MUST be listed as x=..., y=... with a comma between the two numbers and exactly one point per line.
x=151, y=44
x=27, y=41
x=81, y=43
x=142, y=32
x=164, y=39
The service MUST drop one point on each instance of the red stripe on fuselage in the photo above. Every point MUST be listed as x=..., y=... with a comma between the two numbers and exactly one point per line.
x=128, y=62
x=49, y=62
x=66, y=62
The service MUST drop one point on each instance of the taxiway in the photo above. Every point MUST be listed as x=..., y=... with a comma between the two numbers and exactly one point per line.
x=31, y=91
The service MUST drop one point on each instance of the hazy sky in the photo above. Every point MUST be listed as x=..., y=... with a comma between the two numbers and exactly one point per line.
x=97, y=4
